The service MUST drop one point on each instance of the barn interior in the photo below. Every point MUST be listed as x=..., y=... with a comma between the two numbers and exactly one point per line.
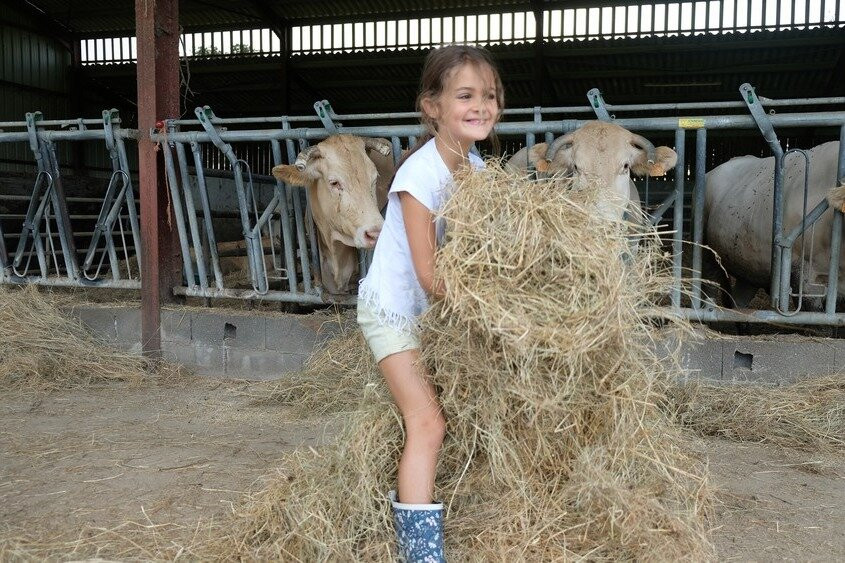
x=70, y=60
x=108, y=457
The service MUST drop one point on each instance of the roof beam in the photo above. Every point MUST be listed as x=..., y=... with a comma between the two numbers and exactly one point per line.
x=47, y=25
x=279, y=25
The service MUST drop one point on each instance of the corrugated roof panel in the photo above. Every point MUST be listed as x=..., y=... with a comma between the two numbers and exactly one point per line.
x=98, y=17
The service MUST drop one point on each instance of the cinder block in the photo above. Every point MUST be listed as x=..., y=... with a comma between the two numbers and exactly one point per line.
x=261, y=364
x=210, y=358
x=99, y=321
x=128, y=324
x=179, y=353
x=776, y=361
x=176, y=326
x=244, y=332
x=229, y=330
x=838, y=354
x=330, y=329
x=207, y=329
x=702, y=358
x=289, y=334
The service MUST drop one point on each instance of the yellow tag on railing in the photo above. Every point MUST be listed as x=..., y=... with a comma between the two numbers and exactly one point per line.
x=690, y=123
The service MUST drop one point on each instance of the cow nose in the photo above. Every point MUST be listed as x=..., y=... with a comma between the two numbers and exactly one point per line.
x=371, y=236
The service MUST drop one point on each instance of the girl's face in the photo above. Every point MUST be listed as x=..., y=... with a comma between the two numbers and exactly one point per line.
x=467, y=108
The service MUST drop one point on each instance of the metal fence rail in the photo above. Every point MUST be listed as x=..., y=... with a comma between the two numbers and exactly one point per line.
x=115, y=227
x=278, y=237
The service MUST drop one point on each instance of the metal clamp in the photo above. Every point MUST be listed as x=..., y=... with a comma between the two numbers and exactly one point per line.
x=597, y=103
x=325, y=113
x=109, y=131
x=749, y=96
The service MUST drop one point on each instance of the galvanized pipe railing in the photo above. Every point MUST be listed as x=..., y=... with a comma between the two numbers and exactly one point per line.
x=782, y=244
x=48, y=203
x=298, y=234
x=718, y=122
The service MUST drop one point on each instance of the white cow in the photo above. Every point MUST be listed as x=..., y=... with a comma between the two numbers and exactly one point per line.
x=605, y=152
x=738, y=216
x=347, y=178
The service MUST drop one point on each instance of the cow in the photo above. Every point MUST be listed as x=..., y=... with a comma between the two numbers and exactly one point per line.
x=604, y=152
x=347, y=179
x=738, y=218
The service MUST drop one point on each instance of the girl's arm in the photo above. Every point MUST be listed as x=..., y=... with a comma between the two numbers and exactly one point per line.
x=419, y=227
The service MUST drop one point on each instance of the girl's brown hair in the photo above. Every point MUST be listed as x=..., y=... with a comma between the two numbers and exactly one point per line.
x=439, y=66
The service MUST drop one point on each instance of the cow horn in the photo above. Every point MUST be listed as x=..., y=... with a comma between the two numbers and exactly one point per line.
x=305, y=155
x=557, y=144
x=642, y=143
x=380, y=145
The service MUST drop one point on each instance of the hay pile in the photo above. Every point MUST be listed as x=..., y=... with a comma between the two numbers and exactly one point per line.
x=41, y=348
x=809, y=413
x=556, y=448
x=333, y=381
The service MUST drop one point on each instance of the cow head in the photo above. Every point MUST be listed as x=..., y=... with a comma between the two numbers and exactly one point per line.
x=341, y=179
x=609, y=154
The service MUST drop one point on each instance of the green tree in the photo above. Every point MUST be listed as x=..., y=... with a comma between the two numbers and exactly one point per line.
x=241, y=48
x=207, y=51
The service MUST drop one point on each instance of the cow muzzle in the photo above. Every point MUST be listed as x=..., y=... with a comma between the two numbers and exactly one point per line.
x=366, y=237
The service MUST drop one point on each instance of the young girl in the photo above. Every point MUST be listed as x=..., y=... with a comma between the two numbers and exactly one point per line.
x=461, y=98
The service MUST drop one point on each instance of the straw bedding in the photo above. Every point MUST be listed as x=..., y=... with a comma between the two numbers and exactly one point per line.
x=556, y=448
x=42, y=348
x=809, y=413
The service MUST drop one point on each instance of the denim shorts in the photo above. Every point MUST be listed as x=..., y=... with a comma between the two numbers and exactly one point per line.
x=382, y=339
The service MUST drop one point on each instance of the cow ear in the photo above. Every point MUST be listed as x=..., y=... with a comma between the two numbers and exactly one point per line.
x=290, y=174
x=664, y=160
x=537, y=153
x=379, y=145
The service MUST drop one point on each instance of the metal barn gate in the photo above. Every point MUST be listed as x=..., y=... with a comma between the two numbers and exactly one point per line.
x=277, y=233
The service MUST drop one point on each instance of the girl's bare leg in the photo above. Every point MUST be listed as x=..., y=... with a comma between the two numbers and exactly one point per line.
x=425, y=426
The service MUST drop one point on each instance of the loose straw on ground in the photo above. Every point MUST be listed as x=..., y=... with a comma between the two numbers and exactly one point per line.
x=556, y=446
x=43, y=348
x=808, y=413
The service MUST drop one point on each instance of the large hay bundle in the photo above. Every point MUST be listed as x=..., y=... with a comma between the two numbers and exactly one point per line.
x=556, y=448
x=43, y=348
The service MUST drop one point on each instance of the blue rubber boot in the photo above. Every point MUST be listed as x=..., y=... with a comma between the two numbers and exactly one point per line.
x=419, y=529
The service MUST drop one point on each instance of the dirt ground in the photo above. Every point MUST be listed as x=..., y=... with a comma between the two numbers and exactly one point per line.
x=142, y=471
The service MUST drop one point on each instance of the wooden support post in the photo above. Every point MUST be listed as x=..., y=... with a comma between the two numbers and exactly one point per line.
x=157, y=30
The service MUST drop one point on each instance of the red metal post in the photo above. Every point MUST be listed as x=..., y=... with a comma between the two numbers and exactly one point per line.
x=157, y=30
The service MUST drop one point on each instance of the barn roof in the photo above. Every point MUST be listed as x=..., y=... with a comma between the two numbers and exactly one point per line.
x=693, y=67
x=93, y=18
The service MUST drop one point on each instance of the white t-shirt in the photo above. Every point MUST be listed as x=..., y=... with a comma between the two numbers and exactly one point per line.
x=391, y=287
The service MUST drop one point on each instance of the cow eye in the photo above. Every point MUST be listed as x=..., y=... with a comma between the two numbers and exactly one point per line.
x=335, y=184
x=625, y=167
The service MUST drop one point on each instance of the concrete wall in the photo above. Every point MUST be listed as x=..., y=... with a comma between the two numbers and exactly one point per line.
x=229, y=344
x=778, y=358
x=266, y=346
